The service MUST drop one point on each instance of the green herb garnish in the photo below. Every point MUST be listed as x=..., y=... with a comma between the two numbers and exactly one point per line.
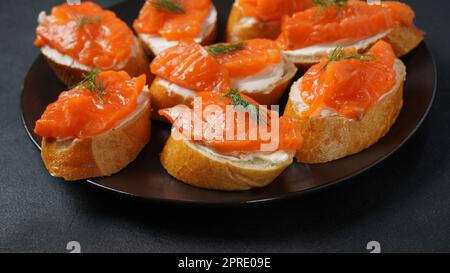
x=83, y=20
x=339, y=54
x=325, y=4
x=240, y=101
x=219, y=49
x=168, y=6
x=90, y=82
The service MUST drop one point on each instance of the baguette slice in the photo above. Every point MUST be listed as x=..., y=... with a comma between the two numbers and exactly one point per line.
x=195, y=167
x=72, y=74
x=98, y=156
x=162, y=97
x=328, y=138
x=240, y=29
x=402, y=39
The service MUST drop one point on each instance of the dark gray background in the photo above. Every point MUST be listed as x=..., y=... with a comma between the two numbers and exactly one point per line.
x=403, y=203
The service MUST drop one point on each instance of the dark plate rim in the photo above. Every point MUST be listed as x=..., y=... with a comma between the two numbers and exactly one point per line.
x=280, y=197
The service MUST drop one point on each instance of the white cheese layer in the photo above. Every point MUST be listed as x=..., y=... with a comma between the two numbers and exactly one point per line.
x=301, y=106
x=62, y=59
x=254, y=83
x=324, y=49
x=256, y=159
x=159, y=44
x=248, y=21
x=245, y=21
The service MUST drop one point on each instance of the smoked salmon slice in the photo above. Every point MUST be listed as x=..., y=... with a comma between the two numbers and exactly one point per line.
x=288, y=136
x=190, y=65
x=90, y=35
x=352, y=84
x=351, y=22
x=96, y=105
x=173, y=19
x=250, y=57
x=272, y=10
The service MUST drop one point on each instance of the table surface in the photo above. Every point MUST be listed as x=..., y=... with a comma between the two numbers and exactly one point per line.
x=402, y=203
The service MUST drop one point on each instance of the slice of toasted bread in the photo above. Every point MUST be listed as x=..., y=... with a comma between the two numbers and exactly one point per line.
x=328, y=138
x=103, y=155
x=241, y=28
x=402, y=39
x=198, y=168
x=208, y=38
x=71, y=74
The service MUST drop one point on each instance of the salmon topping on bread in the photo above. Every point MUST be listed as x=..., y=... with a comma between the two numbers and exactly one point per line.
x=348, y=82
x=98, y=104
x=248, y=58
x=349, y=21
x=226, y=132
x=191, y=66
x=173, y=19
x=215, y=67
x=88, y=34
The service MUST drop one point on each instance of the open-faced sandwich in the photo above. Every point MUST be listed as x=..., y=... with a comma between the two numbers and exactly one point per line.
x=347, y=102
x=78, y=38
x=255, y=67
x=162, y=23
x=97, y=128
x=220, y=143
x=251, y=19
x=309, y=35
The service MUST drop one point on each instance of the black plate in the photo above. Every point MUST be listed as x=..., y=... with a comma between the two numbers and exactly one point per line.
x=147, y=179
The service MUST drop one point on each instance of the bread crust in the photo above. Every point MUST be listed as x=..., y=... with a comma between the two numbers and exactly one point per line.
x=101, y=155
x=193, y=167
x=332, y=137
x=236, y=31
x=137, y=65
x=402, y=39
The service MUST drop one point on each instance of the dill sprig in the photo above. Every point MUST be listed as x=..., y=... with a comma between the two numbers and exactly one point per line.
x=339, y=54
x=168, y=6
x=83, y=20
x=219, y=49
x=240, y=101
x=325, y=4
x=90, y=82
